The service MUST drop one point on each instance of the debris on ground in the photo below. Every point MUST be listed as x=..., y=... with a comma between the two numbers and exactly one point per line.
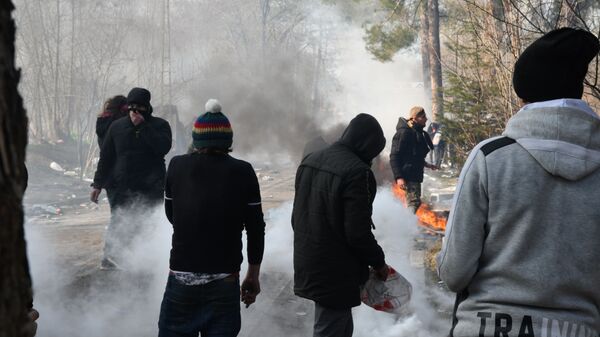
x=56, y=167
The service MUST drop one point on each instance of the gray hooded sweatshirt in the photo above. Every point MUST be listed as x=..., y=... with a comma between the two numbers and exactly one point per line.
x=522, y=246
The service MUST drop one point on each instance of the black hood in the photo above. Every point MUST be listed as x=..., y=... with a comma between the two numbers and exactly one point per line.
x=402, y=124
x=364, y=137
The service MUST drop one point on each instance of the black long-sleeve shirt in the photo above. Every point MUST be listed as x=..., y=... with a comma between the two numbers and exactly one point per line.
x=210, y=199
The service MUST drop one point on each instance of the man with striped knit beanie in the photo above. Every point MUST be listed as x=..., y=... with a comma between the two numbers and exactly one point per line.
x=210, y=197
x=212, y=130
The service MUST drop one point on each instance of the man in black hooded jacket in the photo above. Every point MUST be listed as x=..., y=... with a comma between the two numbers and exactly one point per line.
x=410, y=146
x=331, y=219
x=133, y=157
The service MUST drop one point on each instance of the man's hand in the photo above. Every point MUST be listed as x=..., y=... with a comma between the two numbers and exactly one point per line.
x=251, y=285
x=94, y=195
x=383, y=272
x=136, y=118
x=30, y=327
x=400, y=183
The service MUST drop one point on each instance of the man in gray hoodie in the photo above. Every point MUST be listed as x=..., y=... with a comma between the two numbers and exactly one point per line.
x=522, y=246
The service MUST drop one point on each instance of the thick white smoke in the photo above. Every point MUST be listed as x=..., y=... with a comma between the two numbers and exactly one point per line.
x=126, y=303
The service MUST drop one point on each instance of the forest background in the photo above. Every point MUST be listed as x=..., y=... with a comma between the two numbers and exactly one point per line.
x=275, y=58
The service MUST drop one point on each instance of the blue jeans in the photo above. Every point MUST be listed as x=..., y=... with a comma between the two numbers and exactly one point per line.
x=212, y=309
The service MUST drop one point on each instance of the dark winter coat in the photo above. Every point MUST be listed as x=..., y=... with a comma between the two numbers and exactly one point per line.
x=333, y=242
x=134, y=156
x=410, y=146
x=210, y=199
x=103, y=122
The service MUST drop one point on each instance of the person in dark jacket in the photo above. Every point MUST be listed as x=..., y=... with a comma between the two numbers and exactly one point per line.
x=439, y=143
x=114, y=108
x=210, y=198
x=331, y=219
x=132, y=163
x=410, y=146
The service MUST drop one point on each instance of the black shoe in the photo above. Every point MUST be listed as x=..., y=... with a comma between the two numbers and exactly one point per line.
x=108, y=264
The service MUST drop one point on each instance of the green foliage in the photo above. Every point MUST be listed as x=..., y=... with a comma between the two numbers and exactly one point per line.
x=384, y=41
x=473, y=104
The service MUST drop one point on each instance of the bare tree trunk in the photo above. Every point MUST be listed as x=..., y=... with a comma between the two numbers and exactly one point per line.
x=512, y=29
x=71, y=98
x=15, y=282
x=424, y=37
x=265, y=10
x=56, y=112
x=571, y=11
x=497, y=10
x=435, y=61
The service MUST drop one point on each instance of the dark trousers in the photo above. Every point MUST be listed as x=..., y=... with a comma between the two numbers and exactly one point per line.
x=332, y=322
x=413, y=195
x=212, y=309
x=123, y=228
x=438, y=153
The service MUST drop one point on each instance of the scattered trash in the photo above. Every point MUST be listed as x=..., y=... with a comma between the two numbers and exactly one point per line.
x=266, y=178
x=56, y=167
x=301, y=313
x=88, y=180
x=38, y=209
x=70, y=173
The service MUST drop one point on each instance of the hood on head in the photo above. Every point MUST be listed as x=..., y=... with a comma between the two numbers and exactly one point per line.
x=562, y=135
x=364, y=136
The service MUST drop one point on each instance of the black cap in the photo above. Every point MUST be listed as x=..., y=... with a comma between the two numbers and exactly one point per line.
x=555, y=65
x=140, y=96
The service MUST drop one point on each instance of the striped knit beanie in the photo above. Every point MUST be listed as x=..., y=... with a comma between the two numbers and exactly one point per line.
x=212, y=129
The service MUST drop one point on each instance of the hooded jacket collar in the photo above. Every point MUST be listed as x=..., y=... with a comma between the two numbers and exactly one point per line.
x=364, y=137
x=402, y=124
x=562, y=135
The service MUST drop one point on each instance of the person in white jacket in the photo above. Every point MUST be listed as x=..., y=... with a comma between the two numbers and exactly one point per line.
x=522, y=246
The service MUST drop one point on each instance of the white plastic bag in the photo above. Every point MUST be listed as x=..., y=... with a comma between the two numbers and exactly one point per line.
x=391, y=296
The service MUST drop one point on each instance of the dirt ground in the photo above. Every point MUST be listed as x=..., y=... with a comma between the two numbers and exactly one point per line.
x=65, y=237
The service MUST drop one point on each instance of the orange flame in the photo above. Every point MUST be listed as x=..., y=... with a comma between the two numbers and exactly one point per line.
x=426, y=216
